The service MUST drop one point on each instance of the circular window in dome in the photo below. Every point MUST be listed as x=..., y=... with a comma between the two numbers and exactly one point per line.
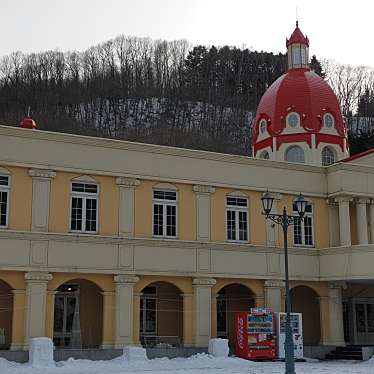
x=328, y=120
x=263, y=126
x=293, y=120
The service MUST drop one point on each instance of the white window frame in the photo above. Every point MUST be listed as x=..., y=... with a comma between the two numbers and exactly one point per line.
x=263, y=126
x=143, y=323
x=237, y=209
x=325, y=149
x=310, y=215
x=295, y=146
x=165, y=203
x=84, y=196
x=6, y=189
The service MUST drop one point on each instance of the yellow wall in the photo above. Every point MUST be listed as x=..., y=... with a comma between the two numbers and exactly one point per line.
x=59, y=219
x=20, y=199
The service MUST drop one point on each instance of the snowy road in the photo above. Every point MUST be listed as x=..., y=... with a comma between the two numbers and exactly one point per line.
x=200, y=364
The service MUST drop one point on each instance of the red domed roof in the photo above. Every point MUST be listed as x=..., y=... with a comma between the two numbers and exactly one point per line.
x=301, y=91
x=28, y=123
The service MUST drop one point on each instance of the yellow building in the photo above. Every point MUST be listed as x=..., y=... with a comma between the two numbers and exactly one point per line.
x=105, y=243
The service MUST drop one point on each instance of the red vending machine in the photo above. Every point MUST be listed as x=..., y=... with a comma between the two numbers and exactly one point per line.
x=254, y=334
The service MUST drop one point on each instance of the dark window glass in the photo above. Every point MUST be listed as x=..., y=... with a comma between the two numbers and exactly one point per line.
x=91, y=209
x=231, y=225
x=158, y=217
x=76, y=213
x=84, y=187
x=171, y=220
x=4, y=181
x=243, y=234
x=165, y=195
x=236, y=201
x=3, y=207
x=360, y=318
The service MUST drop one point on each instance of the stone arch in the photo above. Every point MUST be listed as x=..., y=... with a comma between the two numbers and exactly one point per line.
x=6, y=314
x=305, y=300
x=161, y=314
x=78, y=314
x=231, y=297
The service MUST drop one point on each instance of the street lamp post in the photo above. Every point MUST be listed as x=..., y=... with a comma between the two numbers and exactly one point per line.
x=286, y=220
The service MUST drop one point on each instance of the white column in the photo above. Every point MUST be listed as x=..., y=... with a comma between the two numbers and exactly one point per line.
x=273, y=294
x=126, y=205
x=371, y=217
x=203, y=211
x=333, y=223
x=362, y=221
x=41, y=186
x=344, y=220
x=336, y=314
x=202, y=310
x=124, y=309
x=36, y=303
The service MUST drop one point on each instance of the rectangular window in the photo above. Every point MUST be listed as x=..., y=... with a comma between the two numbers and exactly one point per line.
x=4, y=200
x=165, y=213
x=237, y=218
x=84, y=207
x=303, y=230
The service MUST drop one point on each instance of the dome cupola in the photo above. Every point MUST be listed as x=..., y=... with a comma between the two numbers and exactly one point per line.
x=297, y=49
x=298, y=118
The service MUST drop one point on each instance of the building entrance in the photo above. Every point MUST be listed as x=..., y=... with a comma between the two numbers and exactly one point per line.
x=363, y=321
x=67, y=332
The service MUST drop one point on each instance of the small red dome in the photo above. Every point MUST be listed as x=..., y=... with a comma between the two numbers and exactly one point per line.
x=28, y=123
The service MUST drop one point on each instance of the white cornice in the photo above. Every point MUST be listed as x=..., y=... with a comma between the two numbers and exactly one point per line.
x=152, y=148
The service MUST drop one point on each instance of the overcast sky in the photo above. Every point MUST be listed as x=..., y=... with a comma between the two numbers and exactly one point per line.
x=340, y=30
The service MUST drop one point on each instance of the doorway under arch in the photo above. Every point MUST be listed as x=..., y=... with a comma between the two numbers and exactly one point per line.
x=161, y=315
x=6, y=315
x=78, y=315
x=231, y=299
x=306, y=301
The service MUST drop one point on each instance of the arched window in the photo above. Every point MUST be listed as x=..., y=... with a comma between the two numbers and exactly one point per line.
x=328, y=156
x=295, y=154
x=263, y=126
x=264, y=155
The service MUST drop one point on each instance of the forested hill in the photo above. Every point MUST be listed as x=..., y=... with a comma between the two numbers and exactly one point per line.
x=143, y=90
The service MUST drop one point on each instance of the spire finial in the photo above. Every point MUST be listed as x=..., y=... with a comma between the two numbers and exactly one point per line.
x=297, y=18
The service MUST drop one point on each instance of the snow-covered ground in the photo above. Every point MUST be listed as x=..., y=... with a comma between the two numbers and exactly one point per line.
x=199, y=364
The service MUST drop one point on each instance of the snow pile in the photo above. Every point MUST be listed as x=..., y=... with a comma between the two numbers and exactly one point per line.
x=135, y=354
x=41, y=353
x=218, y=347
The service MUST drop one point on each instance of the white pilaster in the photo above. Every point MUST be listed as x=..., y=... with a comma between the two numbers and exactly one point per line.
x=273, y=294
x=344, y=220
x=202, y=310
x=41, y=186
x=371, y=217
x=124, y=309
x=126, y=205
x=333, y=223
x=203, y=211
x=36, y=302
x=336, y=336
x=362, y=221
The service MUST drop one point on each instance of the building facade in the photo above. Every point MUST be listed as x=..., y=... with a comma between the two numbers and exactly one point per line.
x=105, y=243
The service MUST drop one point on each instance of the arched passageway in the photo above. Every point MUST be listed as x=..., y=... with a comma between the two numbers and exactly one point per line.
x=161, y=315
x=306, y=301
x=78, y=315
x=231, y=299
x=6, y=315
